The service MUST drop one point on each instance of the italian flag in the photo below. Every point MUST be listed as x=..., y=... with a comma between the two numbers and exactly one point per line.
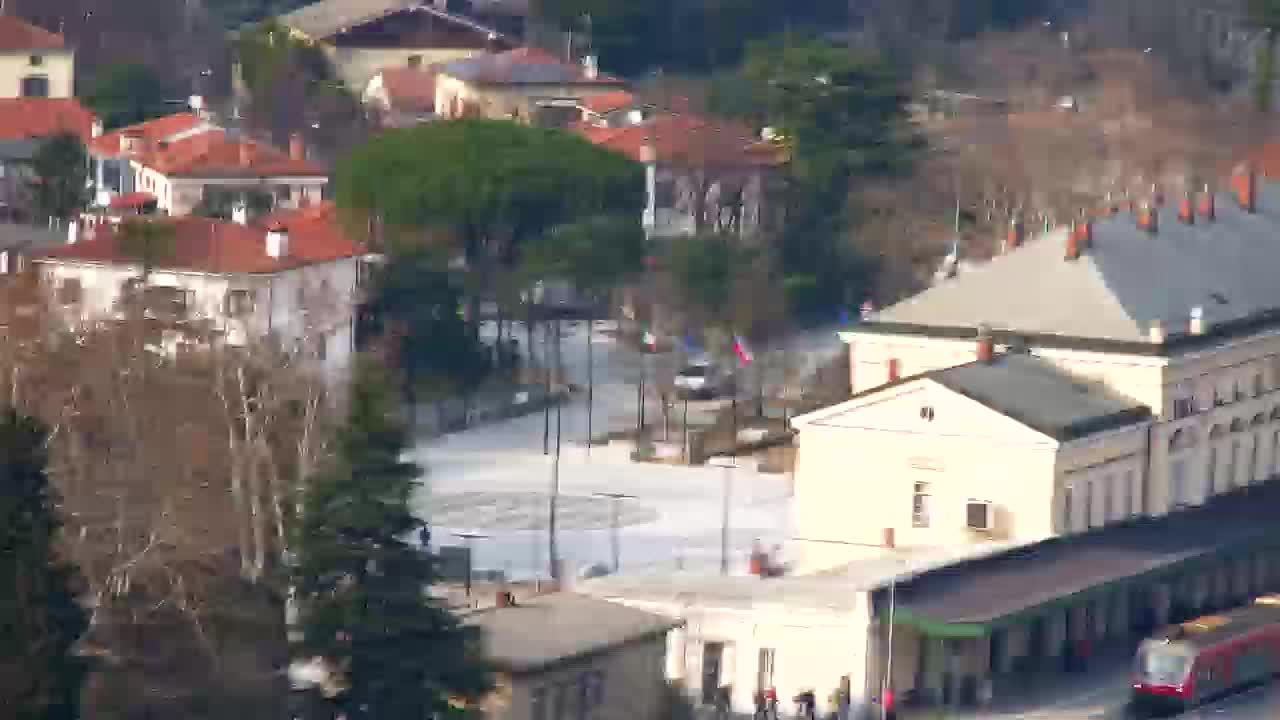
x=742, y=351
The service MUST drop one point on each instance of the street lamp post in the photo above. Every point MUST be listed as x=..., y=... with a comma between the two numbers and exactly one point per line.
x=615, y=503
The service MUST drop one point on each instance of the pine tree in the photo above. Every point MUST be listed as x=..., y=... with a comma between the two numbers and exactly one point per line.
x=362, y=585
x=40, y=619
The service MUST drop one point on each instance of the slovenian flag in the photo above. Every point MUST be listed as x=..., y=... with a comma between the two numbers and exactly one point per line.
x=742, y=351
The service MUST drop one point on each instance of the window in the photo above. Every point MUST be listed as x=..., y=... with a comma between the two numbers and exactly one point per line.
x=36, y=60
x=414, y=61
x=978, y=515
x=1231, y=464
x=1212, y=470
x=239, y=302
x=1275, y=452
x=1219, y=398
x=1108, y=484
x=1183, y=407
x=1237, y=391
x=926, y=413
x=1067, y=501
x=322, y=347
x=1257, y=384
x=920, y=505
x=1088, y=504
x=1178, y=480
x=1127, y=493
x=538, y=704
x=35, y=86
x=1253, y=460
x=69, y=292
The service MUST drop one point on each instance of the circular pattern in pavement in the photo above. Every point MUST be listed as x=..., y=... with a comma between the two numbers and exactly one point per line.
x=506, y=511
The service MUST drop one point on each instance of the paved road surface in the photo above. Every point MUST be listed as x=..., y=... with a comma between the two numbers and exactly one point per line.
x=495, y=480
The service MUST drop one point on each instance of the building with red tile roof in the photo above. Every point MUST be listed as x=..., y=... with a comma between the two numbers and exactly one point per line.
x=187, y=171
x=111, y=152
x=37, y=62
x=26, y=118
x=528, y=85
x=402, y=96
x=703, y=174
x=293, y=276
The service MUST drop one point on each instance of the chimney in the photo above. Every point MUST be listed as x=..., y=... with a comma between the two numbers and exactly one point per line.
x=297, y=147
x=240, y=213
x=1186, y=213
x=986, y=345
x=1073, y=244
x=504, y=599
x=278, y=241
x=246, y=153
x=1244, y=183
x=95, y=129
x=1149, y=219
x=590, y=67
x=131, y=142
x=1156, y=332
x=1208, y=206
x=648, y=153
x=888, y=538
x=1198, y=324
x=1084, y=231
x=73, y=232
x=1017, y=233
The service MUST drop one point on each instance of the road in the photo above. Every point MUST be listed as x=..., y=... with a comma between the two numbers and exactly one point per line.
x=494, y=480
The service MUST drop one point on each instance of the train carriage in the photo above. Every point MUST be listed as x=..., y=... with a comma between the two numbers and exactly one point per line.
x=1198, y=660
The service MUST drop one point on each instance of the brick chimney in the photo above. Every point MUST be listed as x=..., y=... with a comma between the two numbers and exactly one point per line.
x=1208, y=206
x=1149, y=219
x=1017, y=233
x=1186, y=212
x=297, y=147
x=986, y=345
x=1244, y=183
x=1073, y=243
x=246, y=153
x=888, y=538
x=1084, y=231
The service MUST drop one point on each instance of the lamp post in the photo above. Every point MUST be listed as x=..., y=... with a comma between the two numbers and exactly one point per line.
x=468, y=538
x=614, y=507
x=886, y=683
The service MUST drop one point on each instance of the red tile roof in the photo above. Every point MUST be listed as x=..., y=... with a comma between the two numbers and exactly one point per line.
x=410, y=89
x=686, y=139
x=215, y=154
x=151, y=131
x=132, y=200
x=609, y=101
x=17, y=34
x=23, y=118
x=217, y=246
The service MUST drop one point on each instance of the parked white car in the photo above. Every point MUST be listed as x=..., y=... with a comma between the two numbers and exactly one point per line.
x=701, y=379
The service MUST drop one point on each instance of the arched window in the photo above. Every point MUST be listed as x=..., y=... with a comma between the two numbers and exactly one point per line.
x=1237, y=425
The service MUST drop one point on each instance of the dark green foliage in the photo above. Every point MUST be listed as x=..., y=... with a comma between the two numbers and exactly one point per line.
x=268, y=51
x=61, y=169
x=703, y=268
x=417, y=301
x=844, y=117
x=232, y=14
x=483, y=180
x=127, y=93
x=1265, y=15
x=361, y=584
x=595, y=255
x=40, y=618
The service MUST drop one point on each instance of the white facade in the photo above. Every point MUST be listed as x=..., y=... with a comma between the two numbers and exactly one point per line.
x=178, y=196
x=790, y=634
x=313, y=304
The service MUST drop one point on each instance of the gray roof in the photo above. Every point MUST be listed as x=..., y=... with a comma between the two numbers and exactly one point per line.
x=328, y=17
x=1128, y=279
x=554, y=629
x=1038, y=395
x=510, y=69
x=23, y=149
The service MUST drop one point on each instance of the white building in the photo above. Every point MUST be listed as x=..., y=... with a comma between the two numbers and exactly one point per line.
x=1127, y=367
x=294, y=278
x=111, y=153
x=744, y=633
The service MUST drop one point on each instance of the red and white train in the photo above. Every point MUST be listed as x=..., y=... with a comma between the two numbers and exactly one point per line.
x=1211, y=656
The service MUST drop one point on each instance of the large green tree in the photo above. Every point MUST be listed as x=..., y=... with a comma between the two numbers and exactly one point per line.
x=61, y=169
x=362, y=585
x=40, y=618
x=127, y=93
x=843, y=117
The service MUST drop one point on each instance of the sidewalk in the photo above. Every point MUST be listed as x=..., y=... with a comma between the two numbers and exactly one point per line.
x=1100, y=693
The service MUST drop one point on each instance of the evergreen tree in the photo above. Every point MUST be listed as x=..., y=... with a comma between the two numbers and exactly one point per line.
x=61, y=185
x=40, y=620
x=362, y=585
